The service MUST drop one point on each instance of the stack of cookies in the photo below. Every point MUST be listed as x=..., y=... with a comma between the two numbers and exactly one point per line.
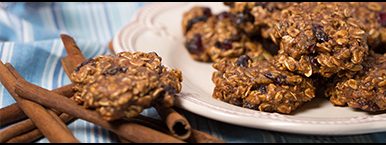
x=276, y=56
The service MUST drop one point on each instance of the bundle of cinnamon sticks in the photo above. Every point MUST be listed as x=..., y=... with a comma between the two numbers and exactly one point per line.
x=39, y=112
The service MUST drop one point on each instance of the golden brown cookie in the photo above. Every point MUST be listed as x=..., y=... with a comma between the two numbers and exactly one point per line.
x=321, y=38
x=211, y=38
x=256, y=84
x=125, y=84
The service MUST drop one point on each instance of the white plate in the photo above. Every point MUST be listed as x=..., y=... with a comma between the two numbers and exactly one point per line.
x=157, y=28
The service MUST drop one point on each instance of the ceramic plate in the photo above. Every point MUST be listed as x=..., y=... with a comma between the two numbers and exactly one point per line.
x=157, y=27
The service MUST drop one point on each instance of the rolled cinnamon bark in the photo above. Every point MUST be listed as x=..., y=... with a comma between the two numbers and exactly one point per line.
x=130, y=131
x=74, y=55
x=50, y=127
x=196, y=136
x=35, y=134
x=11, y=114
x=177, y=124
x=27, y=125
x=27, y=137
x=16, y=129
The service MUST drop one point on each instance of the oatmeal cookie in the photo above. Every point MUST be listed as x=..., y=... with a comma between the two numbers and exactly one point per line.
x=216, y=37
x=125, y=84
x=257, y=84
x=366, y=89
x=320, y=38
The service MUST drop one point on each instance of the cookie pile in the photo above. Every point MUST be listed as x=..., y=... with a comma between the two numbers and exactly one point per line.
x=276, y=56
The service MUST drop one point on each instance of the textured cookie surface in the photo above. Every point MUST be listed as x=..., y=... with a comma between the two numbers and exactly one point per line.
x=125, y=84
x=364, y=90
x=257, y=84
x=209, y=38
x=321, y=38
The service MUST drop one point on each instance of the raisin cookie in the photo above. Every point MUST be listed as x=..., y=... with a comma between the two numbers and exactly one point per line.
x=320, y=38
x=257, y=84
x=125, y=84
x=209, y=38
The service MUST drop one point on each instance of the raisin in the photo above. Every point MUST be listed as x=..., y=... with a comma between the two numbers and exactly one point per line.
x=261, y=88
x=195, y=20
x=312, y=55
x=314, y=61
x=319, y=33
x=194, y=46
x=243, y=17
x=269, y=75
x=207, y=12
x=280, y=79
x=123, y=69
x=371, y=106
x=236, y=102
x=83, y=64
x=242, y=61
x=114, y=70
x=217, y=44
x=271, y=47
x=226, y=45
x=223, y=15
x=382, y=19
x=170, y=89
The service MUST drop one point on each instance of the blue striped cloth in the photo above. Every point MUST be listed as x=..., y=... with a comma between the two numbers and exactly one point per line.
x=29, y=40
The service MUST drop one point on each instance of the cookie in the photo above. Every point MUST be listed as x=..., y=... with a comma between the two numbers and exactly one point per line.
x=364, y=90
x=125, y=84
x=256, y=84
x=216, y=37
x=320, y=38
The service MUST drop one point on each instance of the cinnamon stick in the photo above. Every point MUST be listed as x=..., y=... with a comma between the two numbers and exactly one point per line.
x=35, y=134
x=74, y=55
x=28, y=125
x=12, y=113
x=196, y=137
x=16, y=129
x=111, y=48
x=27, y=137
x=50, y=127
x=130, y=131
x=150, y=122
x=177, y=124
